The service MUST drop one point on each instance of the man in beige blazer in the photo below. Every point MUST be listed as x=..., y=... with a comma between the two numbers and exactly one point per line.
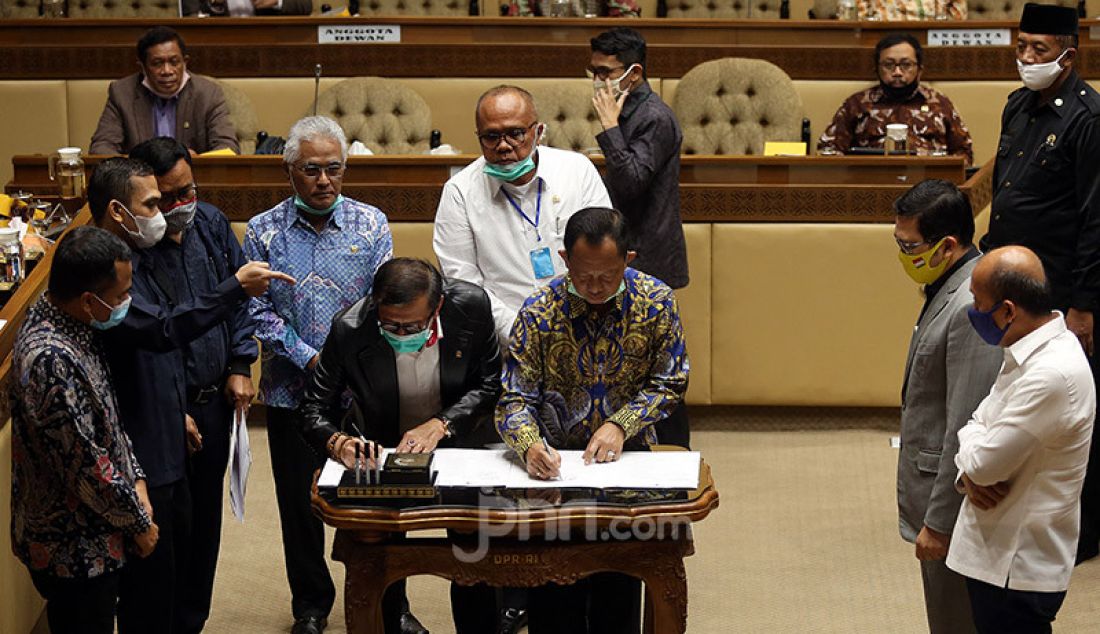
x=163, y=99
x=949, y=370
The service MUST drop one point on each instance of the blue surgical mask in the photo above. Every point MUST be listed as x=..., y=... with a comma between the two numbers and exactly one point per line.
x=986, y=328
x=301, y=204
x=573, y=290
x=118, y=313
x=403, y=344
x=509, y=173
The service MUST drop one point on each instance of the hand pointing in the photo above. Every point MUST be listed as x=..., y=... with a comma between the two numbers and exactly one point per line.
x=255, y=277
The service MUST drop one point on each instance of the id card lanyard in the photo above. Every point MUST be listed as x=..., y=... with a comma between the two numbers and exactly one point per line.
x=542, y=263
x=519, y=210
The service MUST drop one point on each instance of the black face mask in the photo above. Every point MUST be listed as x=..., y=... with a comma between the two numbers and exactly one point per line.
x=899, y=94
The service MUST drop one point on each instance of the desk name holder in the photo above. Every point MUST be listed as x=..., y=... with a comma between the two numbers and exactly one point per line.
x=403, y=477
x=969, y=37
x=359, y=34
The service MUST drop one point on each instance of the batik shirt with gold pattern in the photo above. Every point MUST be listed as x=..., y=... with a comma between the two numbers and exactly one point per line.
x=570, y=370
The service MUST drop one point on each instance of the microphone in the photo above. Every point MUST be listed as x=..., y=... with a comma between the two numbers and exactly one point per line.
x=316, y=86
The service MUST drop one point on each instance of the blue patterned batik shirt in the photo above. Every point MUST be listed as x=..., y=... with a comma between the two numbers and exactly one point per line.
x=73, y=471
x=570, y=370
x=334, y=268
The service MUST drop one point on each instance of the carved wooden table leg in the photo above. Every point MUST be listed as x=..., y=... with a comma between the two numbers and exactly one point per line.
x=371, y=567
x=364, y=583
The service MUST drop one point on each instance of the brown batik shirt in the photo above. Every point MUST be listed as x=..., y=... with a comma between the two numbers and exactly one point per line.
x=901, y=10
x=934, y=124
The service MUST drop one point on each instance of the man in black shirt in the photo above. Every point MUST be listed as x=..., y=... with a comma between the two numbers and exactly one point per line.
x=145, y=354
x=198, y=252
x=1047, y=189
x=641, y=142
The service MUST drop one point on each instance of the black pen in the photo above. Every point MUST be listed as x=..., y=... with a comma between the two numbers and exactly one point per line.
x=376, y=451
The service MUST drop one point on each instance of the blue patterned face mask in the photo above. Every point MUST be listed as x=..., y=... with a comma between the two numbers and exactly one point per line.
x=118, y=313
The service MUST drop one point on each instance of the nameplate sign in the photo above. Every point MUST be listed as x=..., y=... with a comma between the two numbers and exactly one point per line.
x=1094, y=32
x=969, y=37
x=359, y=34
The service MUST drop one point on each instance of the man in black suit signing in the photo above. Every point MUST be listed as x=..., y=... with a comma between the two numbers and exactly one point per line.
x=421, y=359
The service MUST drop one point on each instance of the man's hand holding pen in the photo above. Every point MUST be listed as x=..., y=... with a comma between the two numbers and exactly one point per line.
x=543, y=462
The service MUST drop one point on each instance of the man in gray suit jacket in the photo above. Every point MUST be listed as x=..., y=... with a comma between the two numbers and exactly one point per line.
x=164, y=100
x=949, y=370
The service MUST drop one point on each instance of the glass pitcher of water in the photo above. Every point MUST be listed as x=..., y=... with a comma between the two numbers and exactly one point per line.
x=67, y=168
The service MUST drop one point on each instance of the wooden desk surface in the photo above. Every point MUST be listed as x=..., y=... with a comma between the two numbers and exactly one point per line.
x=712, y=188
x=543, y=514
x=15, y=312
x=489, y=47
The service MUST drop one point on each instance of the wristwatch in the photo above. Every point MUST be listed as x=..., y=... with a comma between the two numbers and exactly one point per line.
x=448, y=427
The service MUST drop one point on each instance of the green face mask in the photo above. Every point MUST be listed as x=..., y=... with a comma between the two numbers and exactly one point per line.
x=301, y=204
x=406, y=343
x=573, y=290
x=511, y=172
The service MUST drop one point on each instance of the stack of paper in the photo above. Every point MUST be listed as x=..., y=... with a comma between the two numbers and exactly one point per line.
x=502, y=468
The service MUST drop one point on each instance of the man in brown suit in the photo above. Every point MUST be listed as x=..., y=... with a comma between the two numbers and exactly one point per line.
x=164, y=100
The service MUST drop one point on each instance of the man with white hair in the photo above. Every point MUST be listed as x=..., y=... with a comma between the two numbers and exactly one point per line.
x=332, y=246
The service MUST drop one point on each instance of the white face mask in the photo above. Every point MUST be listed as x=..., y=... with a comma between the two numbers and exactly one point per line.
x=613, y=85
x=1040, y=76
x=150, y=230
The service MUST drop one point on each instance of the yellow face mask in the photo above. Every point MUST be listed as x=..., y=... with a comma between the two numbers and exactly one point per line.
x=919, y=267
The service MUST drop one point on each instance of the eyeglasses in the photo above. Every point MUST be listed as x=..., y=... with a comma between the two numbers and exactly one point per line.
x=602, y=72
x=183, y=195
x=889, y=66
x=513, y=137
x=312, y=170
x=909, y=247
x=410, y=328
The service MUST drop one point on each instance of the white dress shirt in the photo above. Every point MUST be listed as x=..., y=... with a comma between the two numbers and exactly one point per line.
x=1032, y=432
x=418, y=384
x=480, y=238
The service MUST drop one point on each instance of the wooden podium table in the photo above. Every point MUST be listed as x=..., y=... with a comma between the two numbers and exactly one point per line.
x=492, y=47
x=712, y=188
x=523, y=538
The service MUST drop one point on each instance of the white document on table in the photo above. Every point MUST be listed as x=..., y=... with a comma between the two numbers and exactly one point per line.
x=503, y=468
x=240, y=461
x=634, y=470
x=330, y=474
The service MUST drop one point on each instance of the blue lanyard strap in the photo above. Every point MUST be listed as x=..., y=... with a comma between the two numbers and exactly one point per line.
x=538, y=209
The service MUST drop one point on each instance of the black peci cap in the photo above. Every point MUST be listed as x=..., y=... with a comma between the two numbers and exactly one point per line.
x=1048, y=19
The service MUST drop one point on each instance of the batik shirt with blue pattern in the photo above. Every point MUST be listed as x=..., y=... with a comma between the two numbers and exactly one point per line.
x=334, y=269
x=571, y=370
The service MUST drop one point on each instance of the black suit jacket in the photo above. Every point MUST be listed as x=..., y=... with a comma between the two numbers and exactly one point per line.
x=356, y=357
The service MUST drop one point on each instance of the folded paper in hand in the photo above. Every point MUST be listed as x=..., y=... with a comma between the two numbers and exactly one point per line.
x=240, y=461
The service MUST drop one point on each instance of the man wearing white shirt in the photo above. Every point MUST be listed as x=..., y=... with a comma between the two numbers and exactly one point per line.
x=1022, y=456
x=501, y=219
